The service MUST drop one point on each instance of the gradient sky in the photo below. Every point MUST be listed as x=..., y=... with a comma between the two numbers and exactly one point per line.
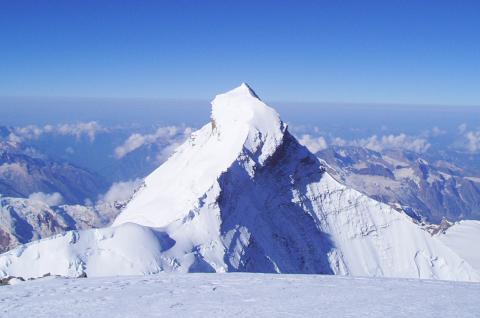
x=349, y=51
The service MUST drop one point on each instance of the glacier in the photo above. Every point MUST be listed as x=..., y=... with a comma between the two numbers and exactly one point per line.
x=242, y=195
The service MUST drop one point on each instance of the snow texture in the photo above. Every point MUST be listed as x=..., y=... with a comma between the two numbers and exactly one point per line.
x=239, y=295
x=240, y=122
x=242, y=195
x=463, y=237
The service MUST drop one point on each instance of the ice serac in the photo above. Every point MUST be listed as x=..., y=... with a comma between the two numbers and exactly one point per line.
x=241, y=125
x=242, y=195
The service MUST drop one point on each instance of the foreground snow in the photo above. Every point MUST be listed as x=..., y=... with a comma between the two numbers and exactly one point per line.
x=239, y=295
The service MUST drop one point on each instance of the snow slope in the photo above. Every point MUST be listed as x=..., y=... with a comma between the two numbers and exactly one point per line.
x=239, y=295
x=240, y=122
x=463, y=237
x=243, y=195
x=129, y=249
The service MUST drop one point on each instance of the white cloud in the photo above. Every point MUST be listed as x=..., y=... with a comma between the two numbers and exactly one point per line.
x=28, y=132
x=337, y=141
x=120, y=191
x=171, y=135
x=437, y=131
x=401, y=141
x=434, y=132
x=69, y=150
x=168, y=150
x=473, y=141
x=12, y=138
x=50, y=199
x=133, y=142
x=89, y=129
x=314, y=144
x=470, y=139
x=376, y=143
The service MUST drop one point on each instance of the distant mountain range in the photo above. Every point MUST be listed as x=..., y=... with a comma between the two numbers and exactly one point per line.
x=26, y=220
x=426, y=190
x=24, y=171
x=41, y=197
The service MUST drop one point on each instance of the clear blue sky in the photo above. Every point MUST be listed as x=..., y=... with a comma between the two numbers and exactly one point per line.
x=352, y=51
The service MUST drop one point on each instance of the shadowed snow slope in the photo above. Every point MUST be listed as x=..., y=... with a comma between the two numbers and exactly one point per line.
x=243, y=195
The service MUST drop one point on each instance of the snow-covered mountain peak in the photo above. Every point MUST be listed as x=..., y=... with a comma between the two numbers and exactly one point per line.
x=243, y=195
x=239, y=113
x=244, y=88
x=243, y=129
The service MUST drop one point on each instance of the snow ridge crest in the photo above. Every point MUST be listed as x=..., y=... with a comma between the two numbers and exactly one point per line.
x=240, y=113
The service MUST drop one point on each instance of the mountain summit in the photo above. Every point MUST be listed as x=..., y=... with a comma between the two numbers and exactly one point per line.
x=242, y=126
x=243, y=195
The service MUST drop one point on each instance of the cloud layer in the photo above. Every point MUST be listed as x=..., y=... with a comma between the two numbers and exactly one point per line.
x=50, y=199
x=170, y=137
x=401, y=141
x=375, y=143
x=120, y=191
x=88, y=129
x=473, y=141
x=470, y=139
x=314, y=144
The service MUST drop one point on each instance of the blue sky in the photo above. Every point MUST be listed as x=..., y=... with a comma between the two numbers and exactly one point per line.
x=416, y=52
